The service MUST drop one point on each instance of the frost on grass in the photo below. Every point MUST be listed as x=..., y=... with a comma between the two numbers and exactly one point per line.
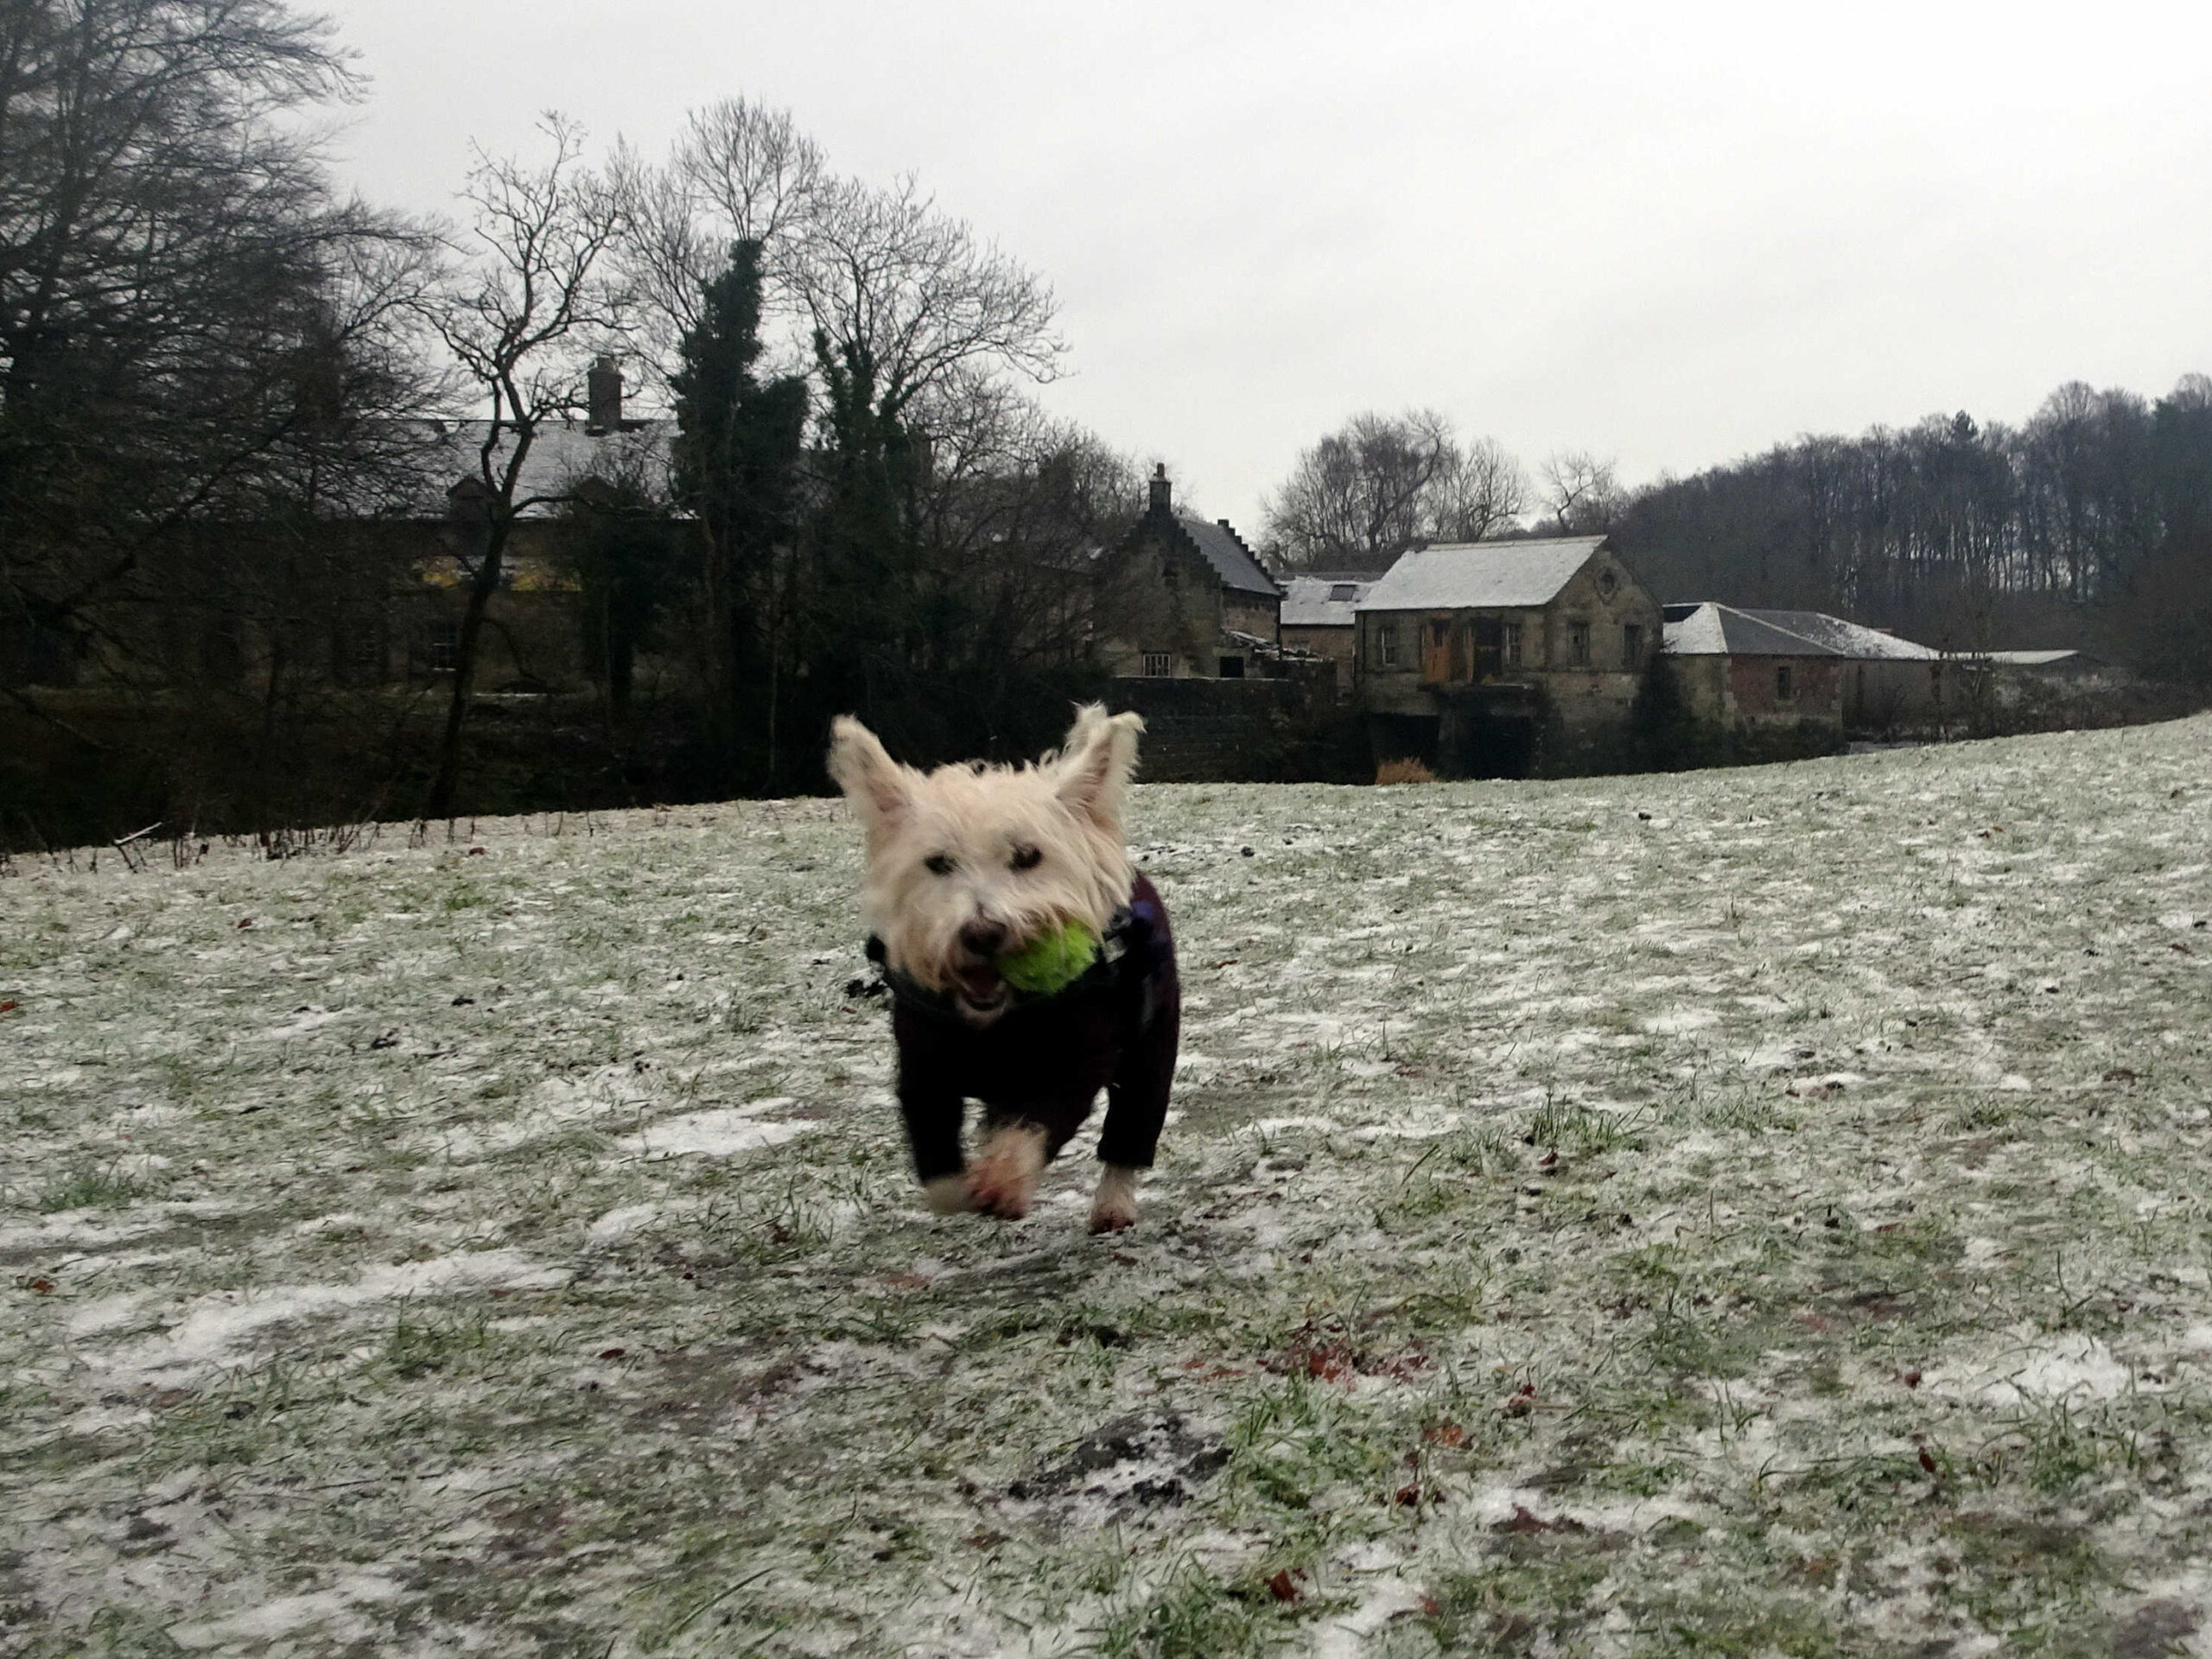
x=1753, y=1211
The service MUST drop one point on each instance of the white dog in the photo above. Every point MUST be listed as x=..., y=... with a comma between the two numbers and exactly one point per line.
x=967, y=866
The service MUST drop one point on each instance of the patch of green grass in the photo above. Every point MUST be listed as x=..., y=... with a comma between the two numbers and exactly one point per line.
x=1574, y=1130
x=1197, y=1614
x=90, y=1186
x=419, y=1345
x=1531, y=1593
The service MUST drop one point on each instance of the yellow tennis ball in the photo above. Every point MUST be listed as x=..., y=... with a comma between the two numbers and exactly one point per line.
x=1053, y=959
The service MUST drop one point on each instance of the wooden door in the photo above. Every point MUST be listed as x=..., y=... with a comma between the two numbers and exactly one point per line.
x=1436, y=651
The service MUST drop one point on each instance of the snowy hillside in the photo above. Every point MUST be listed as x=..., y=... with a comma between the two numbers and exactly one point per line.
x=1760, y=1211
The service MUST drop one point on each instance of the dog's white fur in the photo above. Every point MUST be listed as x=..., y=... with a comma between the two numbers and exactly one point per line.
x=956, y=853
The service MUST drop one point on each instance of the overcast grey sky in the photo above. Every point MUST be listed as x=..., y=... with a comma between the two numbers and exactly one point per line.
x=1669, y=234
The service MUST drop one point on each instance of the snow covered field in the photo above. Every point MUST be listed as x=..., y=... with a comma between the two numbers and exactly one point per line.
x=1759, y=1211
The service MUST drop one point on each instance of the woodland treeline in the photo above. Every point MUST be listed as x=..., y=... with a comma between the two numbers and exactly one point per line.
x=2088, y=525
x=232, y=400
x=247, y=421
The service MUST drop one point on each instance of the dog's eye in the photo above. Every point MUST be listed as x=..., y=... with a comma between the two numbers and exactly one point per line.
x=939, y=864
x=1026, y=858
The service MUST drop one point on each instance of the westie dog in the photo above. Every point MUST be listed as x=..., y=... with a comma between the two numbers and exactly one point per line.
x=973, y=870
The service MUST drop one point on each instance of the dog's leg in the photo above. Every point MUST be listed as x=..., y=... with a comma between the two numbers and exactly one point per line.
x=948, y=1195
x=1113, y=1205
x=1003, y=1178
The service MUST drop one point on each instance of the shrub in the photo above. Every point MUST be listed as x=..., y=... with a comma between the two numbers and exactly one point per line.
x=1403, y=771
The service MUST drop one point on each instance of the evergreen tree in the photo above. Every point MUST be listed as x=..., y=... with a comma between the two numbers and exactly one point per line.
x=737, y=455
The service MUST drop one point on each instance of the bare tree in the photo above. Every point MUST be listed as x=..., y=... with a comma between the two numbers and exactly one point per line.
x=891, y=283
x=532, y=299
x=1582, y=493
x=1482, y=496
x=1381, y=484
x=186, y=308
x=738, y=172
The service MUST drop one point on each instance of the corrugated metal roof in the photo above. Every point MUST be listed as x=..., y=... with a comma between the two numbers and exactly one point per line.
x=1310, y=601
x=1478, y=576
x=1222, y=548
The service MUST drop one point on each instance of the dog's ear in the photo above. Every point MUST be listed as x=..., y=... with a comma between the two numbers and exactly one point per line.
x=874, y=782
x=1096, y=765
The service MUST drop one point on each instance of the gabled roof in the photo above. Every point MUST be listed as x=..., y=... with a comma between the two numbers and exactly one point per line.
x=562, y=453
x=1846, y=639
x=1312, y=599
x=1221, y=548
x=1725, y=631
x=1480, y=575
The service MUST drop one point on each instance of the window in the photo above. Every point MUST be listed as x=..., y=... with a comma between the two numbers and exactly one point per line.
x=1385, y=645
x=1232, y=668
x=1511, y=647
x=1341, y=591
x=442, y=645
x=1631, y=645
x=1785, y=687
x=1159, y=665
x=356, y=650
x=1577, y=643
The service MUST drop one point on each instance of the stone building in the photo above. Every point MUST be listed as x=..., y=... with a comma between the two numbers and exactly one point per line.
x=1470, y=654
x=1763, y=668
x=1319, y=615
x=1183, y=599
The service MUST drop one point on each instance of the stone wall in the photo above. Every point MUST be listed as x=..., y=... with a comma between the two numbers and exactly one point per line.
x=1245, y=731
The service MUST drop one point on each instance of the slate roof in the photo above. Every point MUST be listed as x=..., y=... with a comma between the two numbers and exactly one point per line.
x=1846, y=639
x=1481, y=575
x=1225, y=550
x=1725, y=631
x=1307, y=601
x=562, y=453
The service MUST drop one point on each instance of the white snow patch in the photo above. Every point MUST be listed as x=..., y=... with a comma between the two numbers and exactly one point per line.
x=213, y=1325
x=719, y=1132
x=1348, y=1637
x=1677, y=1020
x=300, y=1024
x=620, y=1224
x=288, y=1614
x=2068, y=1367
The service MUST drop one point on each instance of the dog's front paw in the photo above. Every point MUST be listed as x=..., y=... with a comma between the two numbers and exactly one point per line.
x=1113, y=1205
x=1003, y=1179
x=947, y=1195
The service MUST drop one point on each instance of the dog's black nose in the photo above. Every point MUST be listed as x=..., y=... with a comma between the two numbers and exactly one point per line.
x=983, y=938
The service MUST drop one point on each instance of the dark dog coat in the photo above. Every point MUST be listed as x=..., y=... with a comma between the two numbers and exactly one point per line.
x=1045, y=1059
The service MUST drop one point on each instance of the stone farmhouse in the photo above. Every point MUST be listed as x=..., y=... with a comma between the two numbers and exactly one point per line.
x=1183, y=599
x=1468, y=652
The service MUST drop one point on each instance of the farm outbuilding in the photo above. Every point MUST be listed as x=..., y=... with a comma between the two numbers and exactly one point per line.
x=1751, y=668
x=1468, y=652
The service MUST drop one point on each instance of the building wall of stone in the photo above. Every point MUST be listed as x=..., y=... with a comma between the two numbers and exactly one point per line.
x=1339, y=644
x=1251, y=613
x=1754, y=695
x=1157, y=598
x=1583, y=695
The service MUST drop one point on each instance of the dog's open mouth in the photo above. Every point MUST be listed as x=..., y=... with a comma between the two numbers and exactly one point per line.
x=980, y=987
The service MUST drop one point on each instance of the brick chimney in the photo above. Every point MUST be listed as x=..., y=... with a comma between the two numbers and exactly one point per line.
x=1162, y=491
x=603, y=395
